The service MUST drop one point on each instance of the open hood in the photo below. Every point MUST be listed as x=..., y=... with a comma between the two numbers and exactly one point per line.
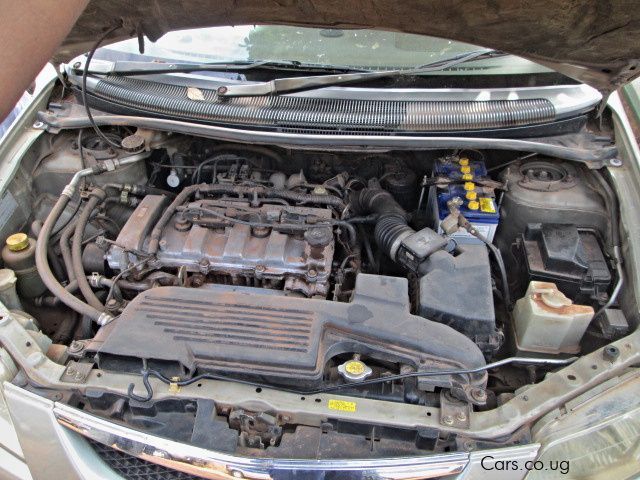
x=595, y=42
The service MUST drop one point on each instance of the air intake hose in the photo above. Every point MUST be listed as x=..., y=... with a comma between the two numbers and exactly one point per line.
x=392, y=233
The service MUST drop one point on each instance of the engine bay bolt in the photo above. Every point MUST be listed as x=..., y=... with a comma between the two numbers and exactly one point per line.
x=615, y=162
x=312, y=273
x=461, y=416
x=162, y=244
x=204, y=266
x=260, y=232
x=112, y=304
x=611, y=353
x=76, y=347
x=260, y=268
x=447, y=420
x=479, y=395
x=182, y=224
x=197, y=280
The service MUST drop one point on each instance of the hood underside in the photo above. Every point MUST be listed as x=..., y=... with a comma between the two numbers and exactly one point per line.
x=596, y=42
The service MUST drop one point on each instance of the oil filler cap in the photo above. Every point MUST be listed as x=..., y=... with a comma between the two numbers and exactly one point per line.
x=17, y=242
x=354, y=370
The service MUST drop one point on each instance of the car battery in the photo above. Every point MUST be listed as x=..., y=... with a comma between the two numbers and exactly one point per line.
x=463, y=179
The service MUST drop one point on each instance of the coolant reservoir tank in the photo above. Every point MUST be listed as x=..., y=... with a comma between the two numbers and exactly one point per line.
x=546, y=321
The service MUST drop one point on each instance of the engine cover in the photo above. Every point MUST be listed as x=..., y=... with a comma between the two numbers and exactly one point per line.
x=234, y=253
x=269, y=337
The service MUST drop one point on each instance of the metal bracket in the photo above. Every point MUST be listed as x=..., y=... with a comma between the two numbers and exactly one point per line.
x=76, y=372
x=453, y=412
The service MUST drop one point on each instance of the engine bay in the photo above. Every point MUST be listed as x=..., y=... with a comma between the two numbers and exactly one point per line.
x=410, y=277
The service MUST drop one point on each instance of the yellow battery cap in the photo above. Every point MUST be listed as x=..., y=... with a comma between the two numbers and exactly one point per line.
x=468, y=186
x=473, y=205
x=464, y=161
x=467, y=176
x=17, y=242
x=471, y=195
x=465, y=169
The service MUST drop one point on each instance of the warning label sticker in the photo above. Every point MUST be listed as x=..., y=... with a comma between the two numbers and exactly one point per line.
x=342, y=405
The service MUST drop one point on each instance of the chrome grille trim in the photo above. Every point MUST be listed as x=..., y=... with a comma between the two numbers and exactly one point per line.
x=214, y=465
x=330, y=115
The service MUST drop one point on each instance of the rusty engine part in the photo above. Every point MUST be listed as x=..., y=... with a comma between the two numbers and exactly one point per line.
x=234, y=241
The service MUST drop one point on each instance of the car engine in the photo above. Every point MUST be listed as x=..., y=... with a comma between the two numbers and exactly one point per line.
x=411, y=277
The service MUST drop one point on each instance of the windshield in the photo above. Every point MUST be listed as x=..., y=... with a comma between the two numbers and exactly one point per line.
x=363, y=49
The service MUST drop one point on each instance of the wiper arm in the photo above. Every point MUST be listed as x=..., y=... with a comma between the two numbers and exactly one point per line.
x=297, y=84
x=129, y=68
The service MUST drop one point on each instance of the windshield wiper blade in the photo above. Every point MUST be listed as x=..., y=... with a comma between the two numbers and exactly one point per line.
x=132, y=68
x=297, y=84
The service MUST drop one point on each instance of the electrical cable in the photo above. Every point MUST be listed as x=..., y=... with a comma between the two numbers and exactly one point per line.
x=146, y=373
x=84, y=86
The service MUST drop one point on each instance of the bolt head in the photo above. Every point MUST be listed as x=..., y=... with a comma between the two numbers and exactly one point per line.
x=615, y=162
x=610, y=353
x=478, y=395
x=447, y=420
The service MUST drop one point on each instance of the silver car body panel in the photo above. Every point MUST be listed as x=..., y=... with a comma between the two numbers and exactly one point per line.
x=55, y=431
x=52, y=450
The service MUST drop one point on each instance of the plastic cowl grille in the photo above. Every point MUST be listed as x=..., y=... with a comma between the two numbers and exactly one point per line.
x=134, y=468
x=325, y=115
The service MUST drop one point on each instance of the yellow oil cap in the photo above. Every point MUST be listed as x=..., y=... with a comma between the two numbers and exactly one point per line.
x=473, y=205
x=465, y=169
x=464, y=161
x=471, y=195
x=468, y=186
x=467, y=176
x=17, y=242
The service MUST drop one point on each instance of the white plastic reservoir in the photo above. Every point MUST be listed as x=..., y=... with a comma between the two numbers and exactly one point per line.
x=547, y=321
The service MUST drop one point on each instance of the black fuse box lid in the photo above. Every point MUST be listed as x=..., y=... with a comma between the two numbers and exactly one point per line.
x=570, y=257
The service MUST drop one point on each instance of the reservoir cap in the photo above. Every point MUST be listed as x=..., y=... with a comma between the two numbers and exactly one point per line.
x=17, y=242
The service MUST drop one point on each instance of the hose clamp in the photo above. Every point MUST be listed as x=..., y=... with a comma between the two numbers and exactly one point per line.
x=68, y=191
x=104, y=319
x=94, y=279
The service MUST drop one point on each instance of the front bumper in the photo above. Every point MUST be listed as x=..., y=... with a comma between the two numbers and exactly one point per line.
x=52, y=438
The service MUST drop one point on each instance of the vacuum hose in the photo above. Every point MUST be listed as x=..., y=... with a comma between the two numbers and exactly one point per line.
x=97, y=196
x=42, y=244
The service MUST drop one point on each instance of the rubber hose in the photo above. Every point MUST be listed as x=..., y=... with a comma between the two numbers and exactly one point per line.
x=45, y=272
x=65, y=249
x=392, y=218
x=154, y=239
x=388, y=230
x=97, y=195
